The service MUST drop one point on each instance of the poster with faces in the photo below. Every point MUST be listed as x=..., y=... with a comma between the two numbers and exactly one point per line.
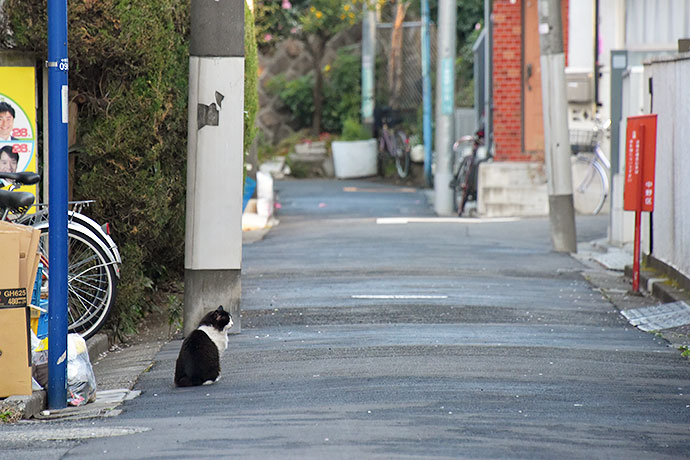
x=18, y=139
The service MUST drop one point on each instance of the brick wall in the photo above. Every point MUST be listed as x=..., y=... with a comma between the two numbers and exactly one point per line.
x=507, y=79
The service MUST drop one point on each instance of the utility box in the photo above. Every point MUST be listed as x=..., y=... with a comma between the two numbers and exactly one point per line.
x=18, y=253
x=579, y=86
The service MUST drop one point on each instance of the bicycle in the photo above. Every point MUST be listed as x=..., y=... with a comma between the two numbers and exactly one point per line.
x=589, y=168
x=395, y=143
x=93, y=258
x=468, y=154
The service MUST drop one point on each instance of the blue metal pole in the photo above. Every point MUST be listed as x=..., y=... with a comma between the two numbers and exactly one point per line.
x=57, y=237
x=426, y=92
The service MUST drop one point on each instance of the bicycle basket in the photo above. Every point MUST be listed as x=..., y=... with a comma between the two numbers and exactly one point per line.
x=582, y=140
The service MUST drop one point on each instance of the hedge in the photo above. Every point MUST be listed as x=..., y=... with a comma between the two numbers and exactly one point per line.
x=129, y=64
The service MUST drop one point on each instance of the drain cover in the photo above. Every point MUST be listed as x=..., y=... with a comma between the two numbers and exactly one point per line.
x=659, y=317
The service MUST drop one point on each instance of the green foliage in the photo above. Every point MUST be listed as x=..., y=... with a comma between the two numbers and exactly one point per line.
x=342, y=89
x=304, y=17
x=468, y=14
x=328, y=17
x=464, y=70
x=275, y=23
x=251, y=79
x=284, y=147
x=313, y=22
x=129, y=64
x=297, y=95
x=175, y=312
x=354, y=131
x=342, y=92
x=684, y=351
x=10, y=415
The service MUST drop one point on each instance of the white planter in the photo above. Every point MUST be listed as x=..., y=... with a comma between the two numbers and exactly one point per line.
x=354, y=158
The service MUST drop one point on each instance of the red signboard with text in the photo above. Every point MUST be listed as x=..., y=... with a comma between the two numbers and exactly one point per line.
x=640, y=158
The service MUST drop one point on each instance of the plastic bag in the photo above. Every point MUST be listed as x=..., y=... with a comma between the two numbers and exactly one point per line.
x=35, y=356
x=81, y=381
x=39, y=359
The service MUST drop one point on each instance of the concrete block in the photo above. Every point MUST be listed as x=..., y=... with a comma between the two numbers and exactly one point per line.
x=512, y=189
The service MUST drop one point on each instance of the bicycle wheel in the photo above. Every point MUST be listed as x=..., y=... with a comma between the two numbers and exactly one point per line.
x=589, y=185
x=91, y=281
x=463, y=183
x=382, y=154
x=41, y=217
x=402, y=154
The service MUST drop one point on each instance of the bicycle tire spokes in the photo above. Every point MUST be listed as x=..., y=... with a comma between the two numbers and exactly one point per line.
x=91, y=282
x=590, y=185
x=402, y=154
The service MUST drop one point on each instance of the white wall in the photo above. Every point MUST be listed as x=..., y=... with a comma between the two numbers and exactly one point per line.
x=581, y=35
x=622, y=230
x=670, y=100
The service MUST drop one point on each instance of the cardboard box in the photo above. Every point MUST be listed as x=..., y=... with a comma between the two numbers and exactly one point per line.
x=27, y=239
x=15, y=352
x=18, y=253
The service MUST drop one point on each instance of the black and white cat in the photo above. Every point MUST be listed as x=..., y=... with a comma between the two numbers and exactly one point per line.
x=199, y=360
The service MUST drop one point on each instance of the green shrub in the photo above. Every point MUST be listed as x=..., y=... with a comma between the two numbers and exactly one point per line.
x=354, y=131
x=251, y=79
x=129, y=63
x=342, y=92
x=297, y=95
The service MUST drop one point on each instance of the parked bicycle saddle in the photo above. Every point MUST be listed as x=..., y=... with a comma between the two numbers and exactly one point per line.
x=15, y=200
x=24, y=177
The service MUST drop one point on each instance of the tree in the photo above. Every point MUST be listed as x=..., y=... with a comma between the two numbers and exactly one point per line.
x=395, y=61
x=314, y=23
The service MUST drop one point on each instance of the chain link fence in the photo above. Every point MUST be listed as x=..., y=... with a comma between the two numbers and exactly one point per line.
x=409, y=98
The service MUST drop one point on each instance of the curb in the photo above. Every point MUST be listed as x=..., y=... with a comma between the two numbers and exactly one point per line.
x=659, y=285
x=664, y=288
x=27, y=407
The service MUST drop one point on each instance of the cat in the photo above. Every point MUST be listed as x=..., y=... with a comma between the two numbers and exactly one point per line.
x=199, y=360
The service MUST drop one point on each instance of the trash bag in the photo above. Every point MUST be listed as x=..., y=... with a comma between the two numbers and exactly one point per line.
x=39, y=359
x=81, y=381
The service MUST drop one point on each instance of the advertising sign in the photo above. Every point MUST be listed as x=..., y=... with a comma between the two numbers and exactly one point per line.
x=18, y=139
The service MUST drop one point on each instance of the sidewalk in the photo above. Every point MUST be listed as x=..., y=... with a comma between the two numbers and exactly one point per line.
x=660, y=289
x=116, y=367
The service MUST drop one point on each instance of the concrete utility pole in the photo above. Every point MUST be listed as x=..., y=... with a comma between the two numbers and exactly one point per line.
x=213, y=238
x=368, y=60
x=556, y=140
x=445, y=107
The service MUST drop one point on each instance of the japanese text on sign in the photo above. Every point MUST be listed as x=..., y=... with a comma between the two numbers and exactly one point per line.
x=640, y=163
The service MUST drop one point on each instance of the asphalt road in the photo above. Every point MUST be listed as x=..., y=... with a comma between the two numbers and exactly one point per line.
x=406, y=340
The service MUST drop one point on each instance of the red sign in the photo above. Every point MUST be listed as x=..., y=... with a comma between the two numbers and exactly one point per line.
x=640, y=158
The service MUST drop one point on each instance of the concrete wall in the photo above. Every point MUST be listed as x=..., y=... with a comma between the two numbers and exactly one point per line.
x=670, y=100
x=622, y=224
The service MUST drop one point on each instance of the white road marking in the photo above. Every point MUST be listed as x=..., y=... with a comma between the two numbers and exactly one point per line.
x=442, y=220
x=364, y=296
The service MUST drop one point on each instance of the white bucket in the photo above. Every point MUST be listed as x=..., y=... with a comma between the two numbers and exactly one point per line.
x=354, y=158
